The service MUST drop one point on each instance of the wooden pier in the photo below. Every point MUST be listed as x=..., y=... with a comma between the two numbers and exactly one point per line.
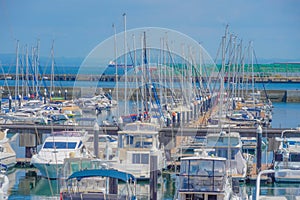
x=164, y=132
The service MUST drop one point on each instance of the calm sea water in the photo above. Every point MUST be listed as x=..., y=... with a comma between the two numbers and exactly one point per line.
x=27, y=184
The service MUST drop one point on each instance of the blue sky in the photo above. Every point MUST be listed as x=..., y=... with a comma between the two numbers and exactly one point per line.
x=77, y=26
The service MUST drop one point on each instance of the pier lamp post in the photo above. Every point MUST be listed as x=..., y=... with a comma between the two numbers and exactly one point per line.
x=45, y=92
x=9, y=103
x=45, y=97
x=19, y=100
x=1, y=91
x=66, y=91
x=258, y=148
x=96, y=139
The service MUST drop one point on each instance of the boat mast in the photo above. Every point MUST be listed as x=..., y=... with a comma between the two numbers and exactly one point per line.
x=52, y=87
x=36, y=69
x=136, y=76
x=27, y=73
x=17, y=74
x=143, y=95
x=222, y=80
x=116, y=67
x=125, y=63
x=252, y=73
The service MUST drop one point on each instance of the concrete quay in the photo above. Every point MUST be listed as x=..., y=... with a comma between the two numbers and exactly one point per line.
x=274, y=95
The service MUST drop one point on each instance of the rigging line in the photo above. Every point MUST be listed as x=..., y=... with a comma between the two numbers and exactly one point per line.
x=157, y=101
x=5, y=80
x=199, y=77
x=135, y=71
x=172, y=61
x=140, y=89
x=265, y=91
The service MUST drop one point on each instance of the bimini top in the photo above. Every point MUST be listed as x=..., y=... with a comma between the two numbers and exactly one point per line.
x=103, y=173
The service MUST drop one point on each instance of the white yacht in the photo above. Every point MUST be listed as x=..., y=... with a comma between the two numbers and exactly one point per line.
x=229, y=146
x=203, y=177
x=287, y=157
x=57, y=147
x=137, y=142
x=7, y=154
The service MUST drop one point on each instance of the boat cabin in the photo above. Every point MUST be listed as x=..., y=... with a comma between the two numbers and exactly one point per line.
x=202, y=178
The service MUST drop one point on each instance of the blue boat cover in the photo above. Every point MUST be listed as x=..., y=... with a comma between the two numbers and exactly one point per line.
x=103, y=173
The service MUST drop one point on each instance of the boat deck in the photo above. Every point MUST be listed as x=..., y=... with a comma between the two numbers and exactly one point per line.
x=252, y=173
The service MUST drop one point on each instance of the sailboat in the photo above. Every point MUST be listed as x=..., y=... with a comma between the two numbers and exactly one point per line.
x=229, y=146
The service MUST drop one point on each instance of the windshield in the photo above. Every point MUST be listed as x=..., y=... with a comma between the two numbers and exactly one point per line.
x=60, y=145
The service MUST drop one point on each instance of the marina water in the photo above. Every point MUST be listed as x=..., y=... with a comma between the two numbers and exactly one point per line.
x=27, y=184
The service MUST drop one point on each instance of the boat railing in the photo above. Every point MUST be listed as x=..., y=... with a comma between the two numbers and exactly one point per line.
x=288, y=192
x=94, y=195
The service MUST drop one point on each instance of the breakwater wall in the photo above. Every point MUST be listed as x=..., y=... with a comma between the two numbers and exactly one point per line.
x=284, y=95
x=273, y=95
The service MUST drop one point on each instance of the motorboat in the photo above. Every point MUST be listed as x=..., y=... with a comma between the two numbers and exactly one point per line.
x=287, y=156
x=228, y=145
x=57, y=147
x=290, y=191
x=137, y=143
x=7, y=153
x=203, y=177
x=86, y=178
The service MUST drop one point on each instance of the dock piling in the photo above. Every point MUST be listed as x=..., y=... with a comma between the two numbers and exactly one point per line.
x=258, y=148
x=96, y=136
x=153, y=177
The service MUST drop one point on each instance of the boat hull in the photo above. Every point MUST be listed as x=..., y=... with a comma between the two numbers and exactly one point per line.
x=47, y=170
x=292, y=176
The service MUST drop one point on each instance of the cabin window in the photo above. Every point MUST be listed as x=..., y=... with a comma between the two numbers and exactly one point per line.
x=212, y=197
x=60, y=145
x=222, y=153
x=129, y=139
x=295, y=157
x=219, y=168
x=184, y=167
x=143, y=144
x=278, y=157
x=195, y=196
x=233, y=153
x=140, y=158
